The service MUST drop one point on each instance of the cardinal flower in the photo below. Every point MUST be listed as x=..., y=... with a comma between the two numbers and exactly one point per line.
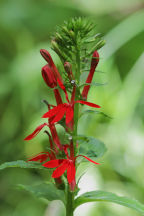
x=66, y=108
x=94, y=63
x=63, y=165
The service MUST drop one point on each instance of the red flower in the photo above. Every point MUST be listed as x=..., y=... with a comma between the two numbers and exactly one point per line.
x=66, y=108
x=65, y=165
x=94, y=63
x=36, y=131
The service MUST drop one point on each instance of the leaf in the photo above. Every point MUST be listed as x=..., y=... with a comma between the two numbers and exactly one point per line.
x=22, y=164
x=95, y=112
x=92, y=84
x=46, y=191
x=91, y=147
x=110, y=197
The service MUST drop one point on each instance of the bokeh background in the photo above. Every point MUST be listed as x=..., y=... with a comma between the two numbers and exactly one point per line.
x=25, y=27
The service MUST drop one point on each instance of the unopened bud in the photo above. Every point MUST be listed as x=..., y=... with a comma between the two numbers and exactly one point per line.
x=46, y=55
x=48, y=76
x=68, y=69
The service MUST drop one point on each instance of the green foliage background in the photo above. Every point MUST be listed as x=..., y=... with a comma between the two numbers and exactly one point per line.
x=25, y=27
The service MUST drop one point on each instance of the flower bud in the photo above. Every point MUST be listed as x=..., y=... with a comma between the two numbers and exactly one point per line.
x=68, y=69
x=45, y=54
x=94, y=62
x=48, y=76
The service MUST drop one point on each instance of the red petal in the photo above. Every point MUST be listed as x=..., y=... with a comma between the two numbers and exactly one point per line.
x=63, y=88
x=88, y=159
x=36, y=131
x=60, y=170
x=53, y=163
x=88, y=104
x=41, y=158
x=60, y=114
x=69, y=114
x=71, y=172
x=52, y=112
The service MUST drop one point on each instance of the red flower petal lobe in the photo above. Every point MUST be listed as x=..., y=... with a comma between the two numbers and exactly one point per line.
x=36, y=131
x=88, y=159
x=53, y=163
x=60, y=114
x=60, y=170
x=41, y=158
x=88, y=104
x=52, y=112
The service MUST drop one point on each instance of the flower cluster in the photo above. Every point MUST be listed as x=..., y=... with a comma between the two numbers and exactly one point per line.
x=63, y=110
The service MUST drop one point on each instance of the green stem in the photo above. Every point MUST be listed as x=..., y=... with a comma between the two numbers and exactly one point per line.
x=70, y=203
x=70, y=194
x=76, y=109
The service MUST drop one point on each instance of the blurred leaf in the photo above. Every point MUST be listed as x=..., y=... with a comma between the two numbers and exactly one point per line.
x=92, y=147
x=22, y=164
x=119, y=35
x=47, y=191
x=110, y=197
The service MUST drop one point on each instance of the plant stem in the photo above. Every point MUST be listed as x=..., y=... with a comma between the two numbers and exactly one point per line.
x=70, y=201
x=70, y=194
x=76, y=109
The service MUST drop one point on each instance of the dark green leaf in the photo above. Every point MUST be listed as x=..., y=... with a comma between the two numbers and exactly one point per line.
x=110, y=197
x=46, y=191
x=92, y=147
x=22, y=164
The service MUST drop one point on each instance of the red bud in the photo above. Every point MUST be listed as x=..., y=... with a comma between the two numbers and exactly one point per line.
x=45, y=54
x=94, y=62
x=48, y=76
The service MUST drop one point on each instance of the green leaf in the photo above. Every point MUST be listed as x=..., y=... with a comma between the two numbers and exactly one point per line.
x=22, y=164
x=91, y=147
x=92, y=84
x=110, y=197
x=95, y=112
x=46, y=191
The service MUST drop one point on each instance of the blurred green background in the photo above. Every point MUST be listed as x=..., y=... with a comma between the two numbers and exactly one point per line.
x=25, y=27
